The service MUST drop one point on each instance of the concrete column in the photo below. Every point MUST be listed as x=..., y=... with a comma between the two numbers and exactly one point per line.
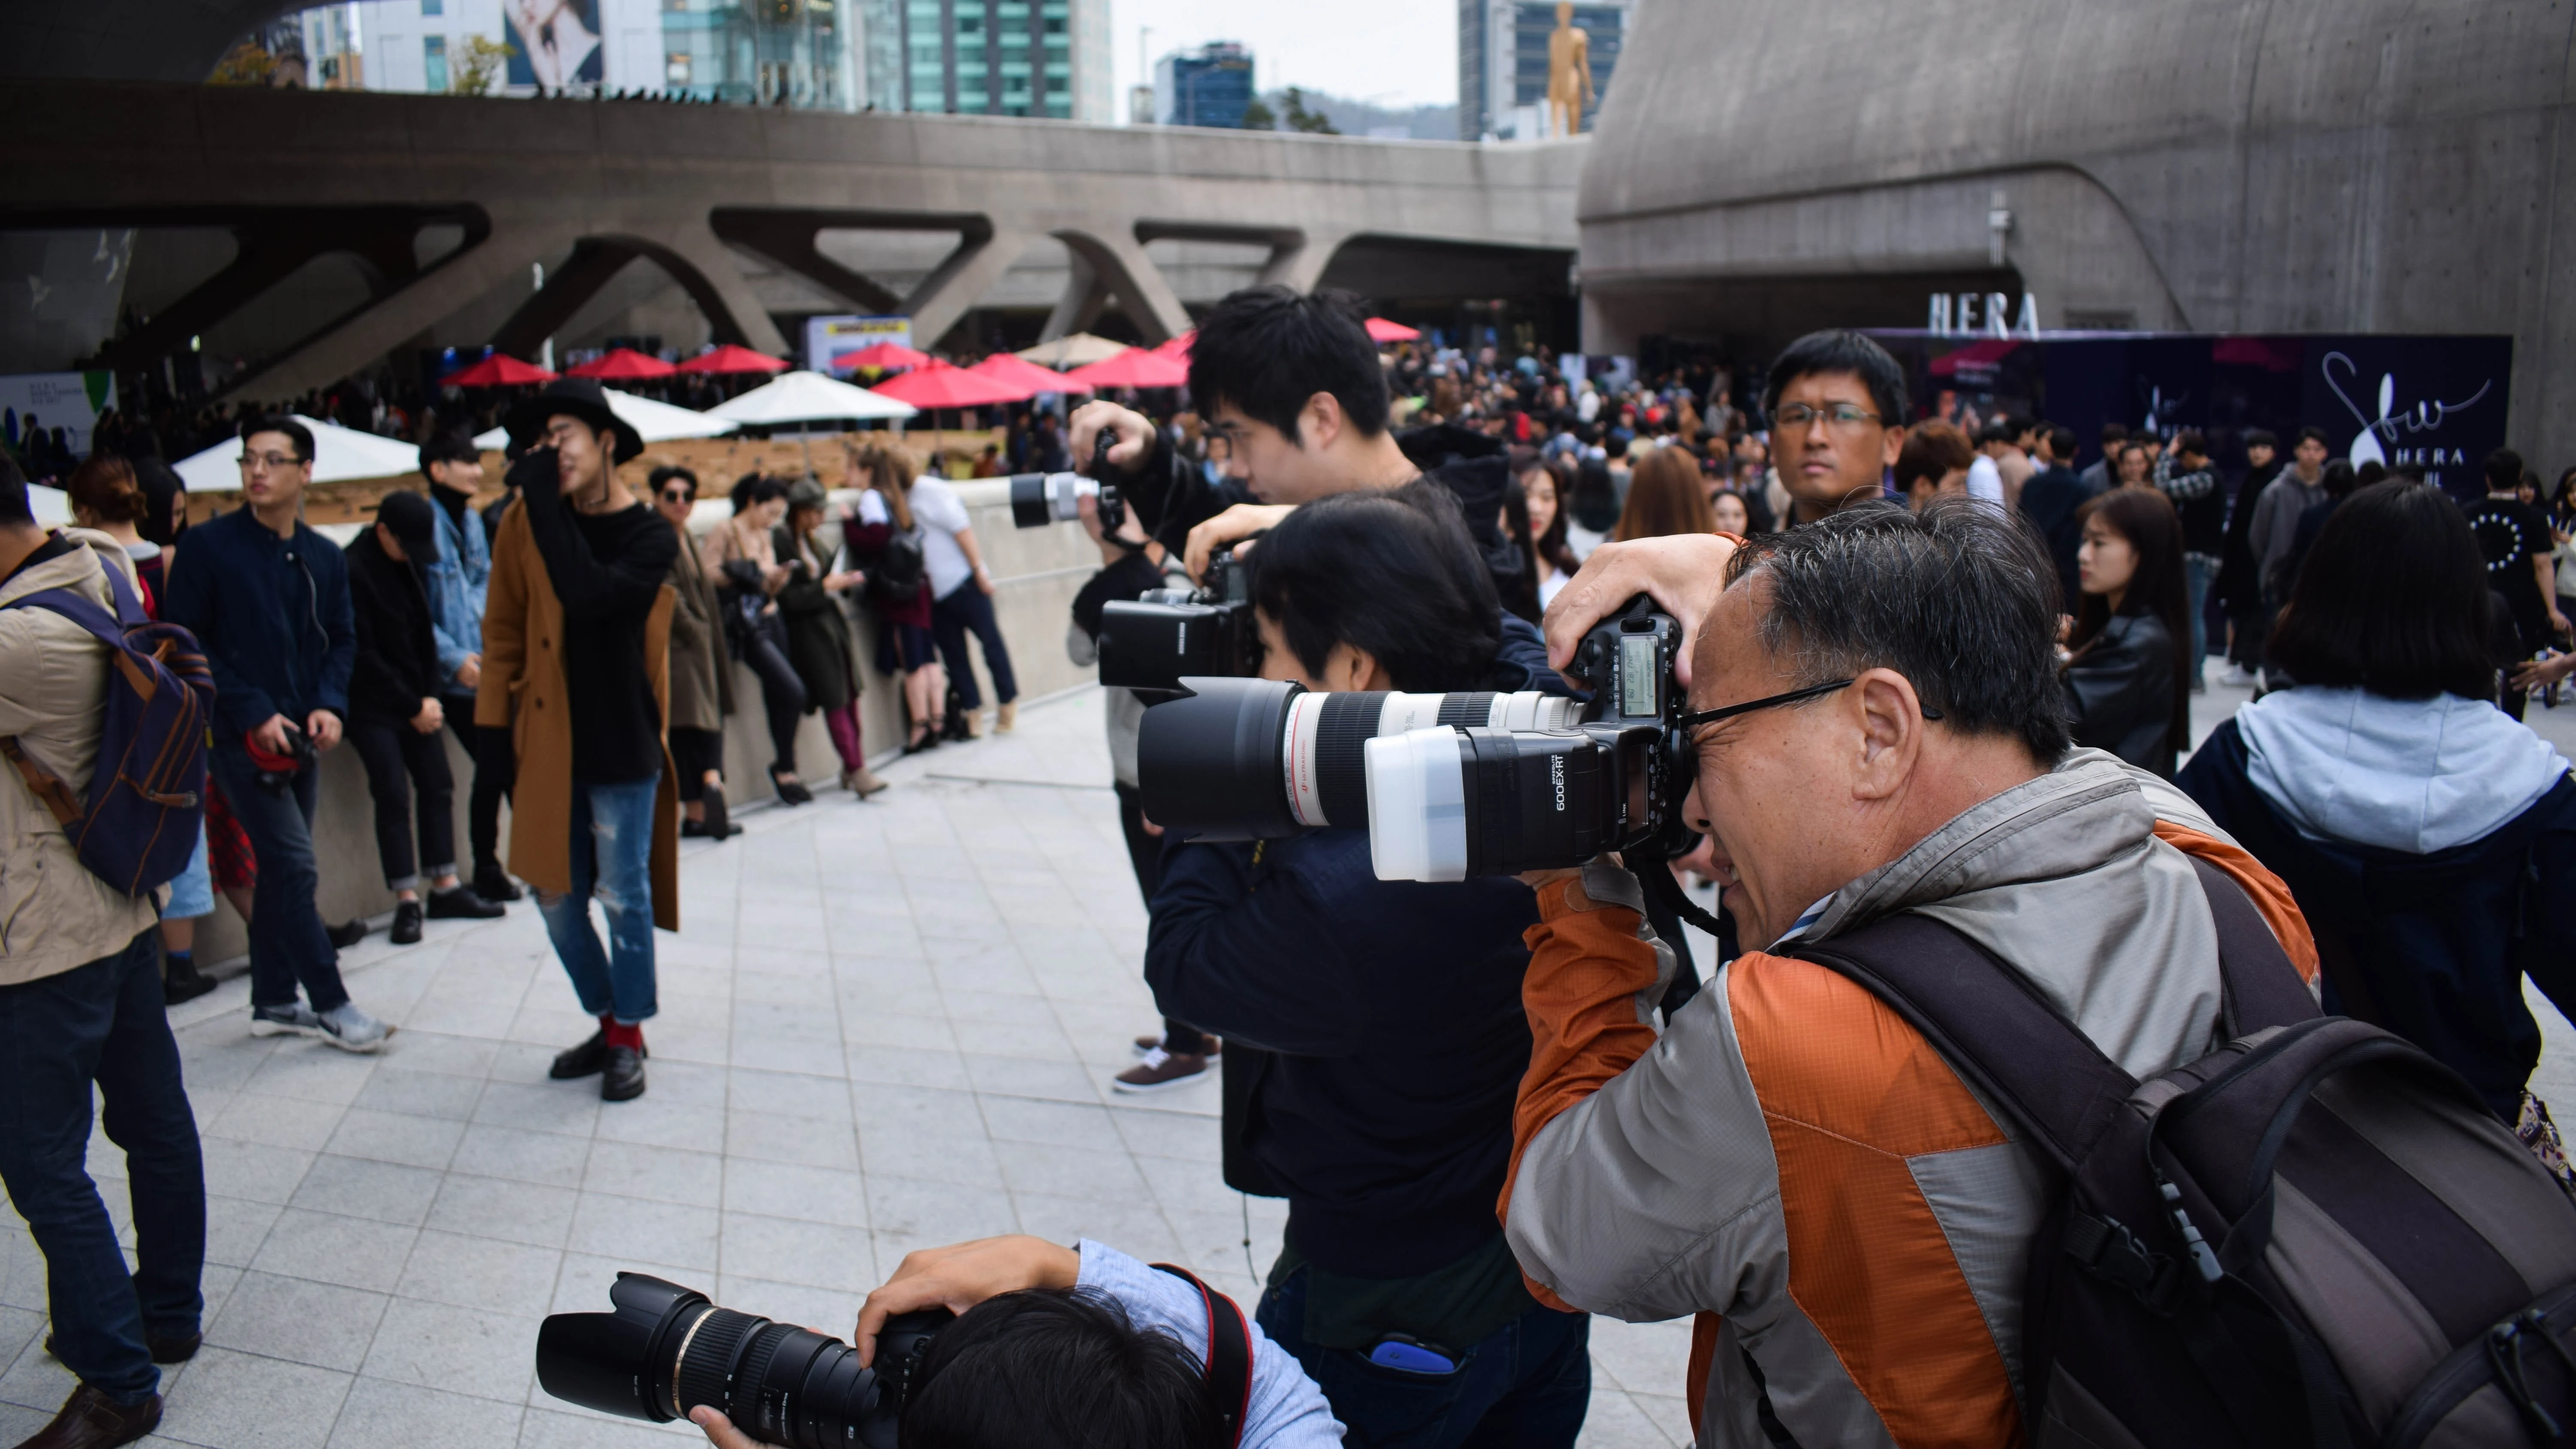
x=1299, y=264
x=1121, y=264
x=982, y=255
x=715, y=282
x=1085, y=297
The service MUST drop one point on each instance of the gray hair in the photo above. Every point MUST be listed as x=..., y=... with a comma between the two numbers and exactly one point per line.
x=1960, y=599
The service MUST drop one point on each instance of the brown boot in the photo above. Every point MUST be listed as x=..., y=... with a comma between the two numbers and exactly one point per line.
x=862, y=781
x=1006, y=715
x=91, y=1420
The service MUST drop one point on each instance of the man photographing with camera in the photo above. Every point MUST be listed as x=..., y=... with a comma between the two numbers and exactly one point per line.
x=1889, y=742
x=1296, y=408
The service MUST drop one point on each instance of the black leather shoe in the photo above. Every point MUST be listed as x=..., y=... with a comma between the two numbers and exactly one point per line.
x=186, y=983
x=164, y=1348
x=406, y=931
x=493, y=884
x=348, y=933
x=583, y=1060
x=720, y=825
x=456, y=903
x=623, y=1078
x=92, y=1420
x=792, y=792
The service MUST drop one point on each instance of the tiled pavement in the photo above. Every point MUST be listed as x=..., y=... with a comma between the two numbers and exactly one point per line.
x=883, y=1025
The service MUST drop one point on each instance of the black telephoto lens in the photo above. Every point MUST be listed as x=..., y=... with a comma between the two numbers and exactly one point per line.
x=667, y=1349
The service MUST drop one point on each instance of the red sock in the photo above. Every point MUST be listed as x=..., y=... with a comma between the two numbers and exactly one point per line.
x=620, y=1034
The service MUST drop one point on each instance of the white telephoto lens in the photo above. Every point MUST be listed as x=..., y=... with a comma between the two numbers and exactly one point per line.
x=1417, y=806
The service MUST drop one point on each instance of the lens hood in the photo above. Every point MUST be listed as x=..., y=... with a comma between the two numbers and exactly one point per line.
x=1207, y=762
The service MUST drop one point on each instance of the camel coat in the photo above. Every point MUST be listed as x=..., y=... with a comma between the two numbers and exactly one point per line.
x=523, y=692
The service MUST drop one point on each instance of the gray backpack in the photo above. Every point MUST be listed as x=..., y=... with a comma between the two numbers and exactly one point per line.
x=2314, y=1235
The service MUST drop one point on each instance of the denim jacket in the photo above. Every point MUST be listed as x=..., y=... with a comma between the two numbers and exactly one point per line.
x=456, y=582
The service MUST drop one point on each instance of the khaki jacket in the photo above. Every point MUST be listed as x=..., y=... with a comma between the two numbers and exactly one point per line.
x=54, y=913
x=1796, y=1166
x=701, y=670
x=523, y=691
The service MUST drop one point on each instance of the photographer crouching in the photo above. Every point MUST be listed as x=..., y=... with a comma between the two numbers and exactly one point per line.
x=1390, y=1015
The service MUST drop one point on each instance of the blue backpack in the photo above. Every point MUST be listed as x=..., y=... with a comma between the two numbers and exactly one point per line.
x=146, y=805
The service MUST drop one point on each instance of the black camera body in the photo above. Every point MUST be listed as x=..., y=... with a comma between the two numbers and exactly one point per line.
x=299, y=750
x=1150, y=644
x=668, y=1349
x=1449, y=786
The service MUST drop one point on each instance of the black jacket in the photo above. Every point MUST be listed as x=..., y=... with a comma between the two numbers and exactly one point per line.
x=2239, y=585
x=397, y=659
x=2431, y=947
x=2050, y=499
x=2120, y=693
x=1394, y=1011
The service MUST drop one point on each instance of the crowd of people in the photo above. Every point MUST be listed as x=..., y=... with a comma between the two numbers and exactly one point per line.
x=1940, y=686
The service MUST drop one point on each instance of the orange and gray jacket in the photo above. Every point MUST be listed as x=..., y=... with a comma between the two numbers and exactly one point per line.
x=1792, y=1163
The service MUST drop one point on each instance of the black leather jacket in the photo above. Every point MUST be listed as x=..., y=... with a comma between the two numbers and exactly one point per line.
x=2120, y=693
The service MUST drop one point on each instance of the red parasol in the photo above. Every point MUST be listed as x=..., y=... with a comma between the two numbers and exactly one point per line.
x=497, y=370
x=731, y=358
x=937, y=384
x=1381, y=330
x=623, y=364
x=883, y=356
x=1002, y=367
x=1135, y=367
x=1178, y=349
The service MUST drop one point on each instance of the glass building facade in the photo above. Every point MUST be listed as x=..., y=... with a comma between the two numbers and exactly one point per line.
x=795, y=53
x=1502, y=58
x=1211, y=86
x=989, y=57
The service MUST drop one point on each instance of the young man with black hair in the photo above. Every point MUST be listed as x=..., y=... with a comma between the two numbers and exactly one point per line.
x=2050, y=502
x=2239, y=585
x=82, y=1019
x=576, y=639
x=268, y=598
x=2514, y=537
x=457, y=580
x=1390, y=1018
x=2098, y=475
x=2275, y=525
x=397, y=722
x=1066, y=1348
x=1838, y=411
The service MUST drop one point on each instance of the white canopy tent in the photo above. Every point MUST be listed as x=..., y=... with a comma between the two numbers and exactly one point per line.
x=808, y=397
x=654, y=422
x=339, y=455
x=1081, y=349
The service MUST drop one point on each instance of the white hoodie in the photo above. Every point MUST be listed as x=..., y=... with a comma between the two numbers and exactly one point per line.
x=2417, y=775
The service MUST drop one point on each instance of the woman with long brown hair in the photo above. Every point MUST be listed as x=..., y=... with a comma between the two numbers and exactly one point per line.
x=1665, y=497
x=883, y=539
x=2128, y=689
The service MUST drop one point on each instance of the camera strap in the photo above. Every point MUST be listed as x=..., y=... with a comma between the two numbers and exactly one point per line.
x=1656, y=876
x=1229, y=1358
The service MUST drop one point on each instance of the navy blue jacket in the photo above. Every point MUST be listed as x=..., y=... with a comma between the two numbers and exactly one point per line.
x=273, y=615
x=2432, y=947
x=1395, y=1008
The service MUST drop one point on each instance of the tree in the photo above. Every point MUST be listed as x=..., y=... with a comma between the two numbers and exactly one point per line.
x=482, y=60
x=1257, y=117
x=245, y=64
x=1314, y=123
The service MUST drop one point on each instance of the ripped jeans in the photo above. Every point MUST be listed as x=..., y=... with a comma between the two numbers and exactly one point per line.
x=612, y=857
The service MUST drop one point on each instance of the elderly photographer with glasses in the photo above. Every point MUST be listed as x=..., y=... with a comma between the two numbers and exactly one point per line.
x=1881, y=731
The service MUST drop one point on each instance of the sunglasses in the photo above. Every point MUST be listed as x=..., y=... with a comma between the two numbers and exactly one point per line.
x=675, y=495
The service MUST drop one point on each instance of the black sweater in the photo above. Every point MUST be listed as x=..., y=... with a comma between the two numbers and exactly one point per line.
x=397, y=659
x=607, y=569
x=1396, y=1010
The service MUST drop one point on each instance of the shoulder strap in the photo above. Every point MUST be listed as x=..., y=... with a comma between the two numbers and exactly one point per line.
x=1229, y=1361
x=2014, y=1047
x=83, y=612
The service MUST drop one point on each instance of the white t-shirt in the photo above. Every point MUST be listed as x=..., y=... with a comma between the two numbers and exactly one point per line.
x=1985, y=481
x=942, y=518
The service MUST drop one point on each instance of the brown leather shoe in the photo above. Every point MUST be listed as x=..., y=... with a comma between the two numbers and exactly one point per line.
x=92, y=1420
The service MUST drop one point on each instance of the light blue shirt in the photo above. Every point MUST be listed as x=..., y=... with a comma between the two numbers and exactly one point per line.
x=1287, y=1409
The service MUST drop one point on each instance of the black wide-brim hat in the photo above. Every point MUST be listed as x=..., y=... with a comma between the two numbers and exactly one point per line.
x=580, y=397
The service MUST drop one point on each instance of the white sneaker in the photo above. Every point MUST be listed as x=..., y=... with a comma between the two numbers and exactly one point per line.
x=2237, y=677
x=292, y=1019
x=346, y=1027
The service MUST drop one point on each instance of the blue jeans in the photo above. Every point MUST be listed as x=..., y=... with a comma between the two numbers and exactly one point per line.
x=2196, y=575
x=288, y=944
x=104, y=1022
x=612, y=857
x=968, y=609
x=1526, y=1386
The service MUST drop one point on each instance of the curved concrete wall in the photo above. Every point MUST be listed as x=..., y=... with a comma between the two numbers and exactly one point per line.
x=1037, y=572
x=2216, y=165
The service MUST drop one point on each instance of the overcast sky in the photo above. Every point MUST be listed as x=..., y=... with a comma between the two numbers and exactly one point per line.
x=1386, y=52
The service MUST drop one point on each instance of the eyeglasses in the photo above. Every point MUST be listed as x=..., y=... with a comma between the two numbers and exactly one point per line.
x=1844, y=417
x=1813, y=691
x=272, y=462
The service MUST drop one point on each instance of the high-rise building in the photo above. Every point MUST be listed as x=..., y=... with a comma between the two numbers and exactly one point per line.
x=1003, y=58
x=1210, y=86
x=1502, y=62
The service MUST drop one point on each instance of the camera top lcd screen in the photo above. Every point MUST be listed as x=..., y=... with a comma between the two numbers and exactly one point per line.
x=1636, y=675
